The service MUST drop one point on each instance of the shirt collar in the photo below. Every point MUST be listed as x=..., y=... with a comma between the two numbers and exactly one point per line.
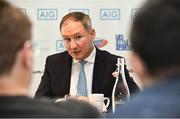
x=90, y=58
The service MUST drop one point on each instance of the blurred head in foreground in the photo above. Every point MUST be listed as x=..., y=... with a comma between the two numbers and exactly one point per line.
x=155, y=40
x=15, y=51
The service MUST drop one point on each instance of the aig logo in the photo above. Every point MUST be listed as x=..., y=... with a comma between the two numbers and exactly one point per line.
x=60, y=45
x=110, y=14
x=133, y=13
x=85, y=11
x=122, y=44
x=47, y=14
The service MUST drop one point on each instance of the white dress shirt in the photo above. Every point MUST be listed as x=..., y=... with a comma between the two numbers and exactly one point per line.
x=88, y=67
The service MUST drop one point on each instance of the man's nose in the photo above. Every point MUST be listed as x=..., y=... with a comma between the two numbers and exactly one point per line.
x=73, y=44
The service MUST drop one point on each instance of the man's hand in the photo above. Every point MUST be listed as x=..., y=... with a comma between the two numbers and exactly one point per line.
x=115, y=74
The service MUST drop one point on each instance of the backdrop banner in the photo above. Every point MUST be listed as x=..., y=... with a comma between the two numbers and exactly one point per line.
x=110, y=18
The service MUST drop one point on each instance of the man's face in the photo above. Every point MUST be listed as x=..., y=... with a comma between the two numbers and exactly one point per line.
x=77, y=40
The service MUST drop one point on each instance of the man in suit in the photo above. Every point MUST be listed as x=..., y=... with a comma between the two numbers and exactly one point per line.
x=155, y=41
x=16, y=59
x=61, y=72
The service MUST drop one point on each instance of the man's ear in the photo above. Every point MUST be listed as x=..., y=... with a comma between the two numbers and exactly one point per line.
x=27, y=55
x=93, y=34
x=138, y=66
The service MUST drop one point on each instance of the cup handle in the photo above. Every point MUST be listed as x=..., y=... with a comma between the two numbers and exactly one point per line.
x=107, y=103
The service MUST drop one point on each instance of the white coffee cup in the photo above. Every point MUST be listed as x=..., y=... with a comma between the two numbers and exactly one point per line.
x=97, y=100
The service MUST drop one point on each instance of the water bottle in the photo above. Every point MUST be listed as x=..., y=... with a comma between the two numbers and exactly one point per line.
x=120, y=93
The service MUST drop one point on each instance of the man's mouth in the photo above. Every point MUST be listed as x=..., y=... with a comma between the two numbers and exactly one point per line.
x=76, y=52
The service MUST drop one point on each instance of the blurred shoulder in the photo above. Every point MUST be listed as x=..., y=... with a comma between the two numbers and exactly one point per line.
x=67, y=109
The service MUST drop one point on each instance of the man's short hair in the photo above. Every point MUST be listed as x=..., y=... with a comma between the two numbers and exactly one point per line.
x=15, y=29
x=155, y=35
x=78, y=16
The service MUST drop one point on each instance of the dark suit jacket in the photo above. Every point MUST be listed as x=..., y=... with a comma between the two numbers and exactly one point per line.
x=21, y=106
x=57, y=74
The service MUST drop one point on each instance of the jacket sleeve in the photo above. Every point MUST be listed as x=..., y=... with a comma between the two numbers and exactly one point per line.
x=44, y=89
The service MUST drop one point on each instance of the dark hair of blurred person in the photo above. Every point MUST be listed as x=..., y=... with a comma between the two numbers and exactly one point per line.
x=155, y=42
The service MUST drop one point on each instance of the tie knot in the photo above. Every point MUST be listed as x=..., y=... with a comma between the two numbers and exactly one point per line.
x=82, y=62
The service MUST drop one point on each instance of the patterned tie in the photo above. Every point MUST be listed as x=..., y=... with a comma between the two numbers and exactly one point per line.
x=82, y=85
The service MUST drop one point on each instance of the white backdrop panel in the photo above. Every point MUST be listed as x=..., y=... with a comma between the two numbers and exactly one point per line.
x=110, y=18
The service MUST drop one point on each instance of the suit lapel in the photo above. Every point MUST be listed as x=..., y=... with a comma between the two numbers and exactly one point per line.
x=98, y=72
x=67, y=60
